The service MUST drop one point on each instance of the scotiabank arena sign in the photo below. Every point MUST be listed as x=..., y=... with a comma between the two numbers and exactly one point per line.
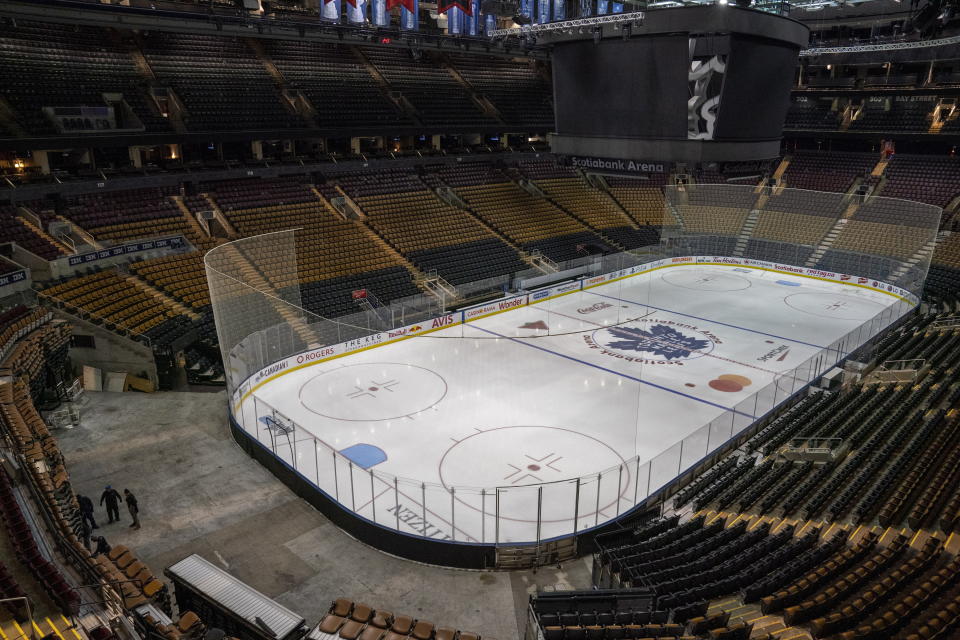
x=611, y=165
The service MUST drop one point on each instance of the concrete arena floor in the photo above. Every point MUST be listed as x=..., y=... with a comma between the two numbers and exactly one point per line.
x=199, y=493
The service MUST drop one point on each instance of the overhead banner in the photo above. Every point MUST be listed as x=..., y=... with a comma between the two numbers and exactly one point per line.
x=543, y=12
x=356, y=11
x=472, y=20
x=330, y=10
x=526, y=8
x=489, y=24
x=455, y=21
x=559, y=10
x=379, y=13
x=603, y=7
x=586, y=8
x=410, y=15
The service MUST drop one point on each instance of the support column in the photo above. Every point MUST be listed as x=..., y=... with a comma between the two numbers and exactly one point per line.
x=504, y=141
x=135, y=157
x=355, y=146
x=256, y=148
x=435, y=142
x=41, y=160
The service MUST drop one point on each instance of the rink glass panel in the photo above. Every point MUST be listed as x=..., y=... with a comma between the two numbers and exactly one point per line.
x=261, y=322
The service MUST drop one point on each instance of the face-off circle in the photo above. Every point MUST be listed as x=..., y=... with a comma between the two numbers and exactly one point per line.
x=705, y=280
x=834, y=305
x=513, y=457
x=373, y=392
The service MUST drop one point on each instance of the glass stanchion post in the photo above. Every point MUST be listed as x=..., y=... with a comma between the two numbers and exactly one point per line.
x=396, y=501
x=596, y=514
x=539, y=518
x=576, y=505
x=373, y=496
x=619, y=487
x=336, y=478
x=496, y=519
x=423, y=496
x=483, y=515
x=353, y=501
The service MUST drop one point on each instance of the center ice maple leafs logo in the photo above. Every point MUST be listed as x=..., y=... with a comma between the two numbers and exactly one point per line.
x=659, y=339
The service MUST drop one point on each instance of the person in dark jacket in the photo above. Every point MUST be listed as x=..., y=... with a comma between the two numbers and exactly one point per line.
x=132, y=507
x=86, y=510
x=113, y=498
x=103, y=547
x=85, y=534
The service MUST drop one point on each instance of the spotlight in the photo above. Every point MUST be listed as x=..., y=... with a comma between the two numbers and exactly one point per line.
x=723, y=3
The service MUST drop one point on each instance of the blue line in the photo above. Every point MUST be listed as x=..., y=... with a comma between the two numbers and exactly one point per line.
x=616, y=373
x=687, y=315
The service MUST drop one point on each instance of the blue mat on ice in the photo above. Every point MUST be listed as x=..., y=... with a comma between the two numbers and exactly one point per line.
x=364, y=455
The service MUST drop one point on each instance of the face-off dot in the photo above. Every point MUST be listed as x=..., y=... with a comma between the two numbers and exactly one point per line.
x=373, y=389
x=533, y=467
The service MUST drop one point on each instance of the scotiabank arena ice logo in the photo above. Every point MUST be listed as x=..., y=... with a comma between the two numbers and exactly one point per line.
x=653, y=341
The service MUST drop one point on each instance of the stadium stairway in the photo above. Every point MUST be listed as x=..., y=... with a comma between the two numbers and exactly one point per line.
x=326, y=203
x=746, y=232
x=449, y=195
x=300, y=105
x=536, y=190
x=253, y=277
x=56, y=626
x=434, y=285
x=826, y=242
x=129, y=41
x=40, y=233
x=220, y=218
x=781, y=169
x=161, y=297
x=8, y=120
x=485, y=106
x=600, y=185
x=191, y=218
x=750, y=615
x=393, y=96
x=558, y=193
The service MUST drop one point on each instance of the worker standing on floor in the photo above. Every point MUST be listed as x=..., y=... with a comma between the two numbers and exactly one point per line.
x=133, y=508
x=112, y=497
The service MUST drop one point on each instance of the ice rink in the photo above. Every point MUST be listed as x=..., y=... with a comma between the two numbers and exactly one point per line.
x=551, y=394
